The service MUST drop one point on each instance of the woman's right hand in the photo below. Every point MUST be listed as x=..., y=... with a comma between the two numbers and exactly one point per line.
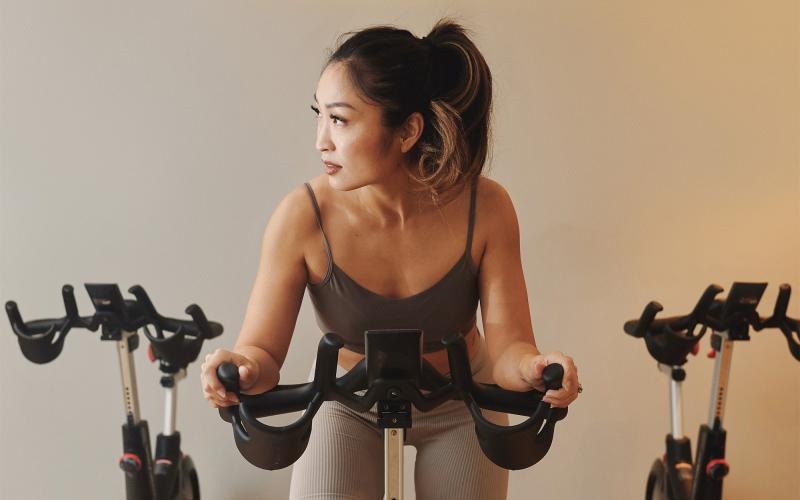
x=213, y=390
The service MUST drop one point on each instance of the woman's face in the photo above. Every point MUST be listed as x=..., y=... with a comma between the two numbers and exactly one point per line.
x=350, y=134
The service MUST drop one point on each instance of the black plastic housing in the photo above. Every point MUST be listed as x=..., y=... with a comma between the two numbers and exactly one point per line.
x=511, y=447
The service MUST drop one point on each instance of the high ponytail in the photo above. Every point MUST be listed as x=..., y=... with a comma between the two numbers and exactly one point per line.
x=444, y=77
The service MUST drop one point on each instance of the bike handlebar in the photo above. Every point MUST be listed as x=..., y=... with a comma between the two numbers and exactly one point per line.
x=113, y=314
x=780, y=320
x=670, y=340
x=511, y=447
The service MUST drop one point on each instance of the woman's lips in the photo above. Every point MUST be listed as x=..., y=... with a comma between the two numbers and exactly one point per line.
x=332, y=168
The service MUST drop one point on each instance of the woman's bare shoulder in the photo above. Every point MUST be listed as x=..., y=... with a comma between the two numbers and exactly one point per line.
x=492, y=198
x=294, y=214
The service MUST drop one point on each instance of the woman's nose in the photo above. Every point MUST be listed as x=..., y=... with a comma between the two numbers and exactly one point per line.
x=324, y=142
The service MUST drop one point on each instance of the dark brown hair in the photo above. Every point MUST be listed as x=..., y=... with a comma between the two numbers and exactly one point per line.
x=444, y=77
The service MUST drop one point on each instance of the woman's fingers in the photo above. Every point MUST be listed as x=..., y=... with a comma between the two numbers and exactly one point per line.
x=569, y=383
x=559, y=398
x=213, y=390
x=217, y=401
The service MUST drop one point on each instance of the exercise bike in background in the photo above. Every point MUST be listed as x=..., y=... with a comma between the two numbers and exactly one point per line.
x=670, y=341
x=171, y=476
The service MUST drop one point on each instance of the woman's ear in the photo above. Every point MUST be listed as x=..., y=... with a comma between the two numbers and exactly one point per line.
x=411, y=131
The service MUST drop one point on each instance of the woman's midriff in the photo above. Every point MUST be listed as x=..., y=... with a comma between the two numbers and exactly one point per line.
x=438, y=359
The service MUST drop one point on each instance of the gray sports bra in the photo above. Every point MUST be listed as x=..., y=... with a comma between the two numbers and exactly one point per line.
x=343, y=306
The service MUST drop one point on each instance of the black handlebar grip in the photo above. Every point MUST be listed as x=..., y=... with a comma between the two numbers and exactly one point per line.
x=637, y=328
x=552, y=376
x=228, y=374
x=68, y=294
x=701, y=310
x=13, y=315
x=783, y=301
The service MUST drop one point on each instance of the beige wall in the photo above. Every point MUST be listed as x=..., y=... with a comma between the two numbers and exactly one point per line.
x=650, y=148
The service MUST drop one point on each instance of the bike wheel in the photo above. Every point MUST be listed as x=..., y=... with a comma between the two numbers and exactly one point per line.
x=657, y=487
x=190, y=485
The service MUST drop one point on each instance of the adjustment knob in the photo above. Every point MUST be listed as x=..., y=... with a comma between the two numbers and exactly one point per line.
x=130, y=463
x=162, y=467
x=717, y=469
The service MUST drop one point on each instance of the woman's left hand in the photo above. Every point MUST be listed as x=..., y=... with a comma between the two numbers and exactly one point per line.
x=531, y=368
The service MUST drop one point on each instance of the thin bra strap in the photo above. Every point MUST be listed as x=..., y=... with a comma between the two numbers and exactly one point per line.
x=319, y=222
x=471, y=215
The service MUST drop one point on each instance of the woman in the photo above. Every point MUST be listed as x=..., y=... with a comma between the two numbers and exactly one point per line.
x=403, y=133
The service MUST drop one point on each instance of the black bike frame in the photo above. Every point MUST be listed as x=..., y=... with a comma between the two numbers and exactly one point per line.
x=703, y=478
x=144, y=478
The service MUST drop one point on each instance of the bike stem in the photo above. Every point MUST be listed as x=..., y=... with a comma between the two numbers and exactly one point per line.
x=710, y=466
x=676, y=376
x=394, y=418
x=170, y=385
x=130, y=393
x=678, y=457
x=719, y=384
x=393, y=460
x=136, y=460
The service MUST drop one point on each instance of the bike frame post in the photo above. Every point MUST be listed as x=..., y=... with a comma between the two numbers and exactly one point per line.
x=394, y=417
x=170, y=384
x=167, y=469
x=137, y=459
x=127, y=368
x=675, y=400
x=710, y=465
x=393, y=463
x=719, y=384
x=678, y=456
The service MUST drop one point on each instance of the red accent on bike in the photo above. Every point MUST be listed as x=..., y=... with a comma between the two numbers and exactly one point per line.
x=164, y=461
x=712, y=463
x=131, y=456
x=696, y=349
x=712, y=354
x=150, y=354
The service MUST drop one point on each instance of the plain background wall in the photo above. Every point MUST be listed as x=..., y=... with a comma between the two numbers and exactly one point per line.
x=650, y=149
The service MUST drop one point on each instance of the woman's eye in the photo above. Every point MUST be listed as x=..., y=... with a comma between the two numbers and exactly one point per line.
x=336, y=120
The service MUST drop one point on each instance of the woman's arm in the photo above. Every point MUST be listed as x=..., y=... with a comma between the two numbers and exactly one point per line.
x=274, y=303
x=518, y=364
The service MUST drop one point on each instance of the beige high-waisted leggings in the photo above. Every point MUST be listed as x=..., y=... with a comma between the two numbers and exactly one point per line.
x=344, y=458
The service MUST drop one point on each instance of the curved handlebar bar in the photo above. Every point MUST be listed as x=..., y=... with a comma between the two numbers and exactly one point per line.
x=789, y=327
x=38, y=342
x=511, y=447
x=670, y=340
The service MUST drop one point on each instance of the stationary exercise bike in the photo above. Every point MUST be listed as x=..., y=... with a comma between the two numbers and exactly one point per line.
x=670, y=341
x=172, y=475
x=394, y=376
